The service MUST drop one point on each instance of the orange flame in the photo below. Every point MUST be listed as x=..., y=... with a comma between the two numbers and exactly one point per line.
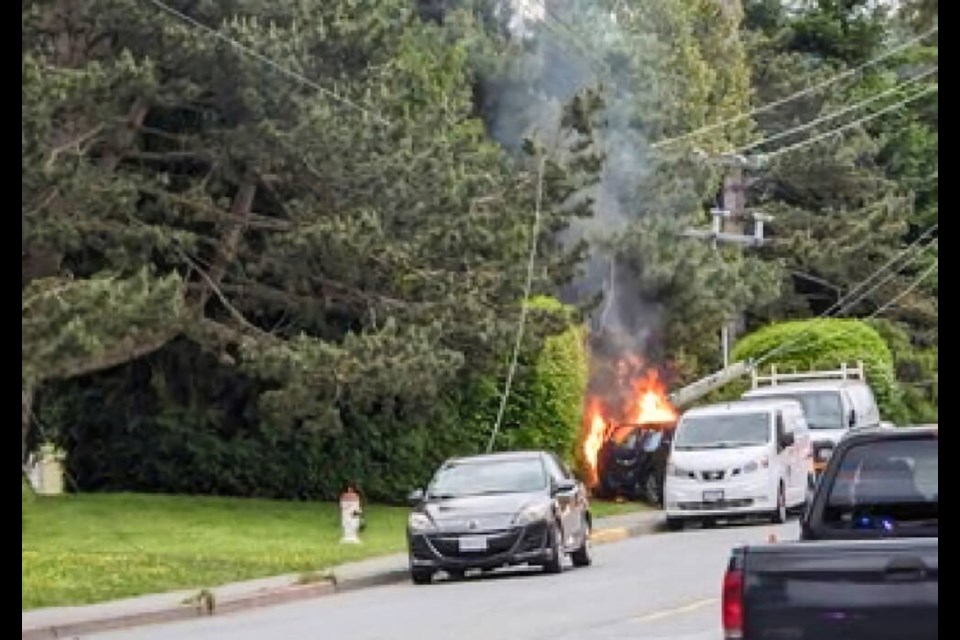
x=596, y=428
x=645, y=402
x=650, y=398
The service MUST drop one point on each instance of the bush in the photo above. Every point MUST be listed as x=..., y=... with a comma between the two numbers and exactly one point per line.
x=826, y=344
x=546, y=398
x=917, y=371
x=181, y=422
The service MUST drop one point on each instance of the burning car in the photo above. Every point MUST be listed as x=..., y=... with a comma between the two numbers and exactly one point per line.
x=627, y=434
x=632, y=462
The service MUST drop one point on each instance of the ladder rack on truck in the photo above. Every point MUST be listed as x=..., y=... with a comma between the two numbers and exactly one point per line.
x=845, y=372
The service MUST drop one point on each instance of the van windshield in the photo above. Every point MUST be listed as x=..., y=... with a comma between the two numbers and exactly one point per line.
x=723, y=431
x=822, y=409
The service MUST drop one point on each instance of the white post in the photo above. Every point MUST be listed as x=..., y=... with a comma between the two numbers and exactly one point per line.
x=350, y=514
x=50, y=474
x=725, y=344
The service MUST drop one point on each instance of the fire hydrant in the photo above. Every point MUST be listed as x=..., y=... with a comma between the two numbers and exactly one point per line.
x=351, y=516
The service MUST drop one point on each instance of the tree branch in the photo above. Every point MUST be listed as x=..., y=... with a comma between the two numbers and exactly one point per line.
x=75, y=143
x=252, y=220
x=125, y=136
x=126, y=349
x=212, y=285
x=229, y=243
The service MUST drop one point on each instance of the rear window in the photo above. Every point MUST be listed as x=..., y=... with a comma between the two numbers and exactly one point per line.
x=890, y=486
x=822, y=409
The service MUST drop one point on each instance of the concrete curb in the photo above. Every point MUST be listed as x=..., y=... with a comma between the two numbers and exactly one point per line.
x=172, y=608
x=174, y=612
x=389, y=576
x=616, y=534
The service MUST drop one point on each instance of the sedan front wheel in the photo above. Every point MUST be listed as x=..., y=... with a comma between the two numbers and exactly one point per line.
x=555, y=563
x=581, y=556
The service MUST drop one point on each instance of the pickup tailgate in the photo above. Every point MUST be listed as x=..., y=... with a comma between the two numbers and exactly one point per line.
x=872, y=589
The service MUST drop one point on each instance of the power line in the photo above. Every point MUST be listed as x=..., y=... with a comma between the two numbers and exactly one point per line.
x=799, y=94
x=890, y=276
x=290, y=73
x=882, y=268
x=913, y=285
x=845, y=299
x=855, y=123
x=839, y=112
x=531, y=261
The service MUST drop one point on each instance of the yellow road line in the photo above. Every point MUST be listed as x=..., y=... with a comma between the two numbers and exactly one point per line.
x=676, y=611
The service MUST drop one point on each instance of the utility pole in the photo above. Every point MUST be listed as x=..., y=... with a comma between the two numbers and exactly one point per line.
x=728, y=225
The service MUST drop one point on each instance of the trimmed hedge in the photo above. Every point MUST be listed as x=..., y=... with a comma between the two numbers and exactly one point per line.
x=546, y=400
x=826, y=343
x=181, y=422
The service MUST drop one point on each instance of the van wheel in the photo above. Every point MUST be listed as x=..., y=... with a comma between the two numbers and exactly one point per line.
x=780, y=513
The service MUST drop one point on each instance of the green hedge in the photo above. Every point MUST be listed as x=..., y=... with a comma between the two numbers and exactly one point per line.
x=181, y=422
x=917, y=370
x=546, y=399
x=825, y=344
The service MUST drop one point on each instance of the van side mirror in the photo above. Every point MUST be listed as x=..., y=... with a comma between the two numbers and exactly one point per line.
x=852, y=419
x=415, y=497
x=787, y=438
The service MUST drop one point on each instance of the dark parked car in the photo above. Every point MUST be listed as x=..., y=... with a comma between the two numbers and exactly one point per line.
x=489, y=511
x=632, y=462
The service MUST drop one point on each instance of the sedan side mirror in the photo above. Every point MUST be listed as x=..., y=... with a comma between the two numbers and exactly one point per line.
x=415, y=497
x=564, y=486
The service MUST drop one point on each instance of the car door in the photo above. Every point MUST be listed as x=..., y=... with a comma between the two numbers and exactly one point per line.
x=571, y=504
x=802, y=465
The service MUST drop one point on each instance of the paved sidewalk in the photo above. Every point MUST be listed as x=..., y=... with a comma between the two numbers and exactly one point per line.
x=57, y=622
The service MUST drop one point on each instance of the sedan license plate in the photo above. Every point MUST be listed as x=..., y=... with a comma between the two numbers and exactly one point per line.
x=715, y=495
x=473, y=543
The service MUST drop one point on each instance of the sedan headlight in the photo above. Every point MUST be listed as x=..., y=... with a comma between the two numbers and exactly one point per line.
x=756, y=465
x=532, y=513
x=420, y=522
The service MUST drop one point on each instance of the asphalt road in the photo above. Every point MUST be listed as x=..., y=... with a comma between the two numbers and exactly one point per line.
x=652, y=587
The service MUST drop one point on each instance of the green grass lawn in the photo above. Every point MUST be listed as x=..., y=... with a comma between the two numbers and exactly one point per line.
x=604, y=508
x=78, y=549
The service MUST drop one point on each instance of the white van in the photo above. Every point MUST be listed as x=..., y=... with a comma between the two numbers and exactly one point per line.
x=738, y=458
x=832, y=407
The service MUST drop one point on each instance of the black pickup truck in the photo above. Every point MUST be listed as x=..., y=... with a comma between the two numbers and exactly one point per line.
x=866, y=564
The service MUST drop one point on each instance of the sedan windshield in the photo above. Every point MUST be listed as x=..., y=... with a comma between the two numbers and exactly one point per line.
x=476, y=478
x=722, y=431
